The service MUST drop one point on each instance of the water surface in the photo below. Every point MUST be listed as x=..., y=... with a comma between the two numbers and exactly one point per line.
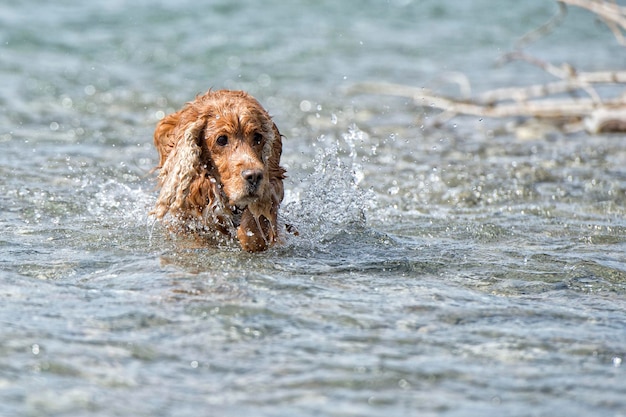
x=456, y=271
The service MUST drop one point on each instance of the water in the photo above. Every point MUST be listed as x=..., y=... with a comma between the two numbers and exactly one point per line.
x=452, y=271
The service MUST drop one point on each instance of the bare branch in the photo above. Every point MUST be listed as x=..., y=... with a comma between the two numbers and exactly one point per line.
x=613, y=15
x=553, y=108
x=548, y=101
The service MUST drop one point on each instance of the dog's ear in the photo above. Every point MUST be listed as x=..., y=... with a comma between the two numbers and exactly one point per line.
x=180, y=165
x=165, y=137
x=276, y=171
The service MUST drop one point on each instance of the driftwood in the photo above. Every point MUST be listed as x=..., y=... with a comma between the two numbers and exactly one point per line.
x=613, y=15
x=572, y=103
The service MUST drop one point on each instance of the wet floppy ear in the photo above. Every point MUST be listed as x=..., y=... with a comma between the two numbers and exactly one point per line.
x=275, y=152
x=164, y=135
x=277, y=173
x=180, y=168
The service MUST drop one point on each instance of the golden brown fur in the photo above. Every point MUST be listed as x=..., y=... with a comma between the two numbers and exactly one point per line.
x=220, y=169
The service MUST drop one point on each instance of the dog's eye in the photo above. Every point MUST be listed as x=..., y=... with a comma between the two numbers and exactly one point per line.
x=222, y=140
x=258, y=138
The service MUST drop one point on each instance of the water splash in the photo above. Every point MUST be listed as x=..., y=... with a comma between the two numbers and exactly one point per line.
x=116, y=201
x=327, y=202
x=331, y=201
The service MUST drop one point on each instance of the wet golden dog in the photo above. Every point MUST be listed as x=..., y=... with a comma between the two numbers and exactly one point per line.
x=220, y=170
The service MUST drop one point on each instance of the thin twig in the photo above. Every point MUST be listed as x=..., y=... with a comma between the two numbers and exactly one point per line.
x=612, y=14
x=544, y=29
x=565, y=72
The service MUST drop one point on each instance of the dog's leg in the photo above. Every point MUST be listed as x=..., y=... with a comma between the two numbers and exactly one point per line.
x=256, y=233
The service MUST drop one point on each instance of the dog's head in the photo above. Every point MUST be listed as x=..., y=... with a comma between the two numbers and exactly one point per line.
x=238, y=135
x=224, y=138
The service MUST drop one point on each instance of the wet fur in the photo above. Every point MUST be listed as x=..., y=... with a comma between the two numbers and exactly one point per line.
x=202, y=186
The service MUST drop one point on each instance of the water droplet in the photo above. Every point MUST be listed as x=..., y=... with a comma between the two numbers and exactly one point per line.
x=404, y=384
x=305, y=105
x=90, y=90
x=67, y=103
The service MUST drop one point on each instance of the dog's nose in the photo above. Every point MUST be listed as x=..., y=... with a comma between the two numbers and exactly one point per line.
x=253, y=177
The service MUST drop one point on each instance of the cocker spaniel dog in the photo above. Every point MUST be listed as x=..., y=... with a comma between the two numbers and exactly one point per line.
x=220, y=172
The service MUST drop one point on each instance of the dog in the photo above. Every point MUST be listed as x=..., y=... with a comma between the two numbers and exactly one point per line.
x=220, y=173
